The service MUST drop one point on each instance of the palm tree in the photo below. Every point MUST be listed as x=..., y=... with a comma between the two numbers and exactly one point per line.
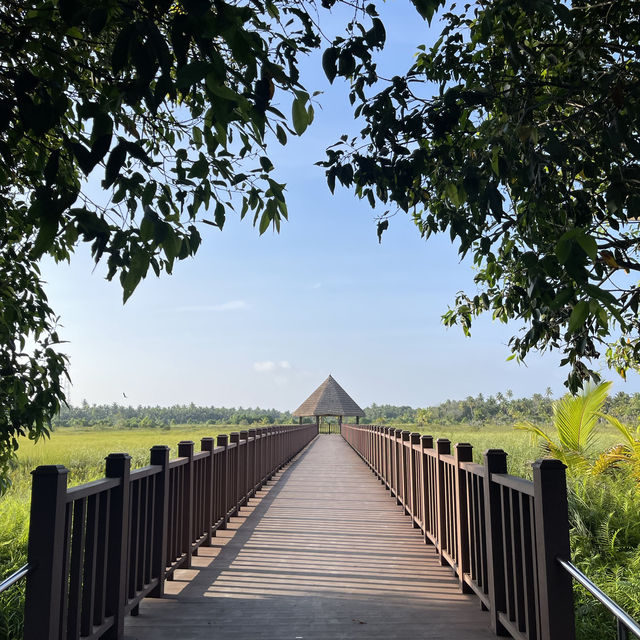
x=575, y=419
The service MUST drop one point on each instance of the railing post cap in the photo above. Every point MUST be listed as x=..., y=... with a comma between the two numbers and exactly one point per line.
x=494, y=452
x=426, y=437
x=206, y=438
x=118, y=456
x=549, y=464
x=222, y=439
x=161, y=447
x=186, y=442
x=50, y=470
x=415, y=438
x=463, y=445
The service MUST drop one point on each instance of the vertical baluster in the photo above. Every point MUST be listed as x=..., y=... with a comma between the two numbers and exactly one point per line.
x=102, y=546
x=75, y=573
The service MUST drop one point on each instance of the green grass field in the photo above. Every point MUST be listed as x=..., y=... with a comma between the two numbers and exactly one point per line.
x=605, y=511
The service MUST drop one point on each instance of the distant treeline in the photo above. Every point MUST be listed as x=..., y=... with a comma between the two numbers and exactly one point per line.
x=478, y=410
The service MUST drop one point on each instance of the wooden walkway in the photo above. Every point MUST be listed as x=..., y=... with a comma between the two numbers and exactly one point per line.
x=322, y=553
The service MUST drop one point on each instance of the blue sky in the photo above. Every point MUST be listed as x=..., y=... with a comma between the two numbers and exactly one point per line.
x=261, y=321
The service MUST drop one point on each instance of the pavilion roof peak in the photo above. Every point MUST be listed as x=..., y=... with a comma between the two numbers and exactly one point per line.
x=329, y=399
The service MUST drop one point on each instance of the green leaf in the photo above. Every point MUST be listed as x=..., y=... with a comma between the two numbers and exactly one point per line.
x=219, y=215
x=426, y=8
x=191, y=73
x=264, y=222
x=299, y=115
x=46, y=236
x=578, y=316
x=589, y=245
x=281, y=135
x=329, y=59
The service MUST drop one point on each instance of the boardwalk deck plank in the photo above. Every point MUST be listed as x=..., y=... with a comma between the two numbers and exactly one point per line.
x=322, y=553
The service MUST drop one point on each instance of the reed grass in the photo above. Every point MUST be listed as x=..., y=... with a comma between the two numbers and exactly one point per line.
x=605, y=511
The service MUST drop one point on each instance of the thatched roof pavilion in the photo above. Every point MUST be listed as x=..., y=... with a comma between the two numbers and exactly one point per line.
x=329, y=399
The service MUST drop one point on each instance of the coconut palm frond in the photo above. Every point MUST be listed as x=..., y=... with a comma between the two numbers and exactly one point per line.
x=611, y=458
x=547, y=444
x=575, y=418
x=621, y=428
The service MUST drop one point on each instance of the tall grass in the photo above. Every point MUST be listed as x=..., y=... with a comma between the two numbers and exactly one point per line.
x=605, y=510
x=82, y=451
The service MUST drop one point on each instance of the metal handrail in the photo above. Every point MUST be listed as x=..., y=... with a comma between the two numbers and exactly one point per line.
x=625, y=622
x=15, y=577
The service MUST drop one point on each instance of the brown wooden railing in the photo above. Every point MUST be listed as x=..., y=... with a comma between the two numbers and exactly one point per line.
x=502, y=535
x=97, y=549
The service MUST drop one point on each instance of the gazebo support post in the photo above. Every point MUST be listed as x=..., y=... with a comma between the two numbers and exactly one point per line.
x=357, y=419
x=318, y=423
x=300, y=420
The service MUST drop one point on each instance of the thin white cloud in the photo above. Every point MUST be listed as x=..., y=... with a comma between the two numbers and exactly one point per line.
x=269, y=366
x=232, y=305
x=317, y=285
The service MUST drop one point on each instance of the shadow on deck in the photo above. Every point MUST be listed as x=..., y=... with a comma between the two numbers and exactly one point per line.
x=322, y=552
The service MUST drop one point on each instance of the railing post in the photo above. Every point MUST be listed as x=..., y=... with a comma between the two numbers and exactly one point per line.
x=208, y=444
x=160, y=456
x=185, y=450
x=118, y=465
x=552, y=542
x=404, y=473
x=44, y=590
x=413, y=479
x=463, y=452
x=443, y=447
x=426, y=442
x=495, y=461
x=397, y=447
x=234, y=438
x=244, y=473
x=223, y=441
x=253, y=473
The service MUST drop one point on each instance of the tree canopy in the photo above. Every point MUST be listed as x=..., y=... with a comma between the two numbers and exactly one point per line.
x=165, y=110
x=517, y=134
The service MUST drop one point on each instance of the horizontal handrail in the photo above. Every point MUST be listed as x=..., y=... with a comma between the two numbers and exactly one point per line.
x=15, y=577
x=601, y=596
x=513, y=482
x=90, y=488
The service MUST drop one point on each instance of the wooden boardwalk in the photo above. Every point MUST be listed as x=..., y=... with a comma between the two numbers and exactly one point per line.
x=321, y=553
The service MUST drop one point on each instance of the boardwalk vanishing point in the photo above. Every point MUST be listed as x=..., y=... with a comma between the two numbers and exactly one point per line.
x=320, y=553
